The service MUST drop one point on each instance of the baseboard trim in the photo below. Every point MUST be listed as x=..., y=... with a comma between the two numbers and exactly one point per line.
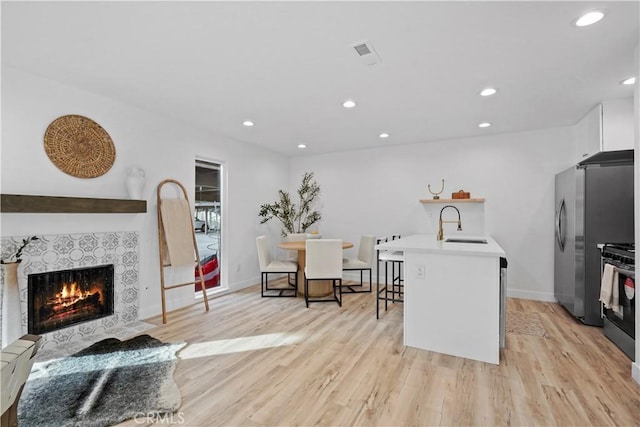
x=240, y=285
x=531, y=295
x=184, y=301
x=635, y=372
x=218, y=292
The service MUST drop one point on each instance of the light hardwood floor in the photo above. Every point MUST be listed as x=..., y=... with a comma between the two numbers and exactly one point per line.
x=270, y=361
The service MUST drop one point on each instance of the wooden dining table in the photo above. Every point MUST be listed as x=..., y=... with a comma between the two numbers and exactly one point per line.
x=320, y=287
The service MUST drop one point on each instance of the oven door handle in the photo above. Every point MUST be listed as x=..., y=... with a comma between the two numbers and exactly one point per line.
x=630, y=273
x=624, y=270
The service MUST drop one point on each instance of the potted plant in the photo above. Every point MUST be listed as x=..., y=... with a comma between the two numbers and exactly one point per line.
x=295, y=218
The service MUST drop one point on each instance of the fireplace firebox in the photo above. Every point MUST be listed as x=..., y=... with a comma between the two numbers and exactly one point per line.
x=58, y=299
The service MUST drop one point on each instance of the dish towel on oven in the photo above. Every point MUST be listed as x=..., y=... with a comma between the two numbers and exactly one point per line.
x=609, y=288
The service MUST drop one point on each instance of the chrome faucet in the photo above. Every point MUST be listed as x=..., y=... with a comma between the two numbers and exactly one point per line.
x=440, y=222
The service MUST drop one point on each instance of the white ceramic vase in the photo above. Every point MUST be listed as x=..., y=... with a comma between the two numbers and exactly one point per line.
x=135, y=183
x=11, y=316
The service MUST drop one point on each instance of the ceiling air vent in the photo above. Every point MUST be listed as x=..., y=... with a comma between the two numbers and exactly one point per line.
x=366, y=52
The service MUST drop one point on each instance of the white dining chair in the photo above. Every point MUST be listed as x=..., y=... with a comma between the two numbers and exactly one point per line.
x=268, y=265
x=323, y=262
x=363, y=262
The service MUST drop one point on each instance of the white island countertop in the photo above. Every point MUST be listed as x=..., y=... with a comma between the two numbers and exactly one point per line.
x=428, y=243
x=452, y=297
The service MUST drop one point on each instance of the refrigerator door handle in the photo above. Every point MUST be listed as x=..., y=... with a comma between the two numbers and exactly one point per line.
x=560, y=229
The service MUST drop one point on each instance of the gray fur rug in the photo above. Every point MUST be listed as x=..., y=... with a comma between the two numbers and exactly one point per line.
x=108, y=382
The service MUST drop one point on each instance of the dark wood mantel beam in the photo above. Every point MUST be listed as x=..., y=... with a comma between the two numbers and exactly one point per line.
x=16, y=203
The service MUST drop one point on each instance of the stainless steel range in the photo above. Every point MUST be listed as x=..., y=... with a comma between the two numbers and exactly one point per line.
x=619, y=323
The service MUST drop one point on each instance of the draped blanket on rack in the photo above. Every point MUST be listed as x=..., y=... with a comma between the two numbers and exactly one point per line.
x=176, y=220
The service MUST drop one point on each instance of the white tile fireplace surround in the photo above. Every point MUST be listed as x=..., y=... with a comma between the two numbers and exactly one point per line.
x=69, y=251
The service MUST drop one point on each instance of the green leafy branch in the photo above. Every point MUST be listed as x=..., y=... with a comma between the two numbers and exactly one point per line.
x=17, y=256
x=294, y=218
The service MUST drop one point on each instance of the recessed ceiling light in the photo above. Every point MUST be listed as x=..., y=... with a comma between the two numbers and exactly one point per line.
x=484, y=125
x=589, y=18
x=384, y=135
x=488, y=91
x=248, y=123
x=628, y=81
x=349, y=103
x=301, y=146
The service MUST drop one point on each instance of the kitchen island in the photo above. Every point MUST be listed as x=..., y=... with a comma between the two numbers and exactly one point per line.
x=451, y=294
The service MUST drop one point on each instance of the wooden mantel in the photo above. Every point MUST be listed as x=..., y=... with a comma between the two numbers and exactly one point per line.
x=22, y=203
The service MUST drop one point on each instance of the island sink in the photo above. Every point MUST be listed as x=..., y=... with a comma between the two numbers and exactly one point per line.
x=464, y=240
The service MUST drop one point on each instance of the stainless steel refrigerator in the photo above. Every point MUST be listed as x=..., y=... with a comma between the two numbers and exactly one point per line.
x=593, y=204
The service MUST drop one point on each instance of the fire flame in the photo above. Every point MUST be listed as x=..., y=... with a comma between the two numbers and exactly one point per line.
x=72, y=293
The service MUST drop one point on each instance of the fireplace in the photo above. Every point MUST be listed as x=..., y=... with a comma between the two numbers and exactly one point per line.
x=58, y=299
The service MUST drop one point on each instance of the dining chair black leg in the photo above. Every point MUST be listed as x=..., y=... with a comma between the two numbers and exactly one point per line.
x=377, y=300
x=386, y=286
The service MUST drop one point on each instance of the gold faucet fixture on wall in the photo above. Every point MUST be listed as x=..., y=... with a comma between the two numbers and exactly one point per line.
x=441, y=221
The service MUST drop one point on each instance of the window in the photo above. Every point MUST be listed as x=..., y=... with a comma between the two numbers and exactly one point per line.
x=208, y=221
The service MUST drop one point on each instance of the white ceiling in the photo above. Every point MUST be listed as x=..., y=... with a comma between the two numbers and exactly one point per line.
x=289, y=65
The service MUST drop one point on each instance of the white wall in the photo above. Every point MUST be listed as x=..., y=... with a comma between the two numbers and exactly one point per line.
x=161, y=146
x=376, y=192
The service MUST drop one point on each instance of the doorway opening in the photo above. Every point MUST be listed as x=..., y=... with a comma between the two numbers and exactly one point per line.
x=208, y=221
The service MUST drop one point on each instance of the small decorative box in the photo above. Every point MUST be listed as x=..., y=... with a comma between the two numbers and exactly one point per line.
x=461, y=195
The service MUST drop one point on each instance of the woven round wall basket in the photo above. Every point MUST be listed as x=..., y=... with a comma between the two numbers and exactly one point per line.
x=80, y=147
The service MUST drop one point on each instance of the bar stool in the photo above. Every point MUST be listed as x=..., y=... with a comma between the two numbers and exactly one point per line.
x=396, y=258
